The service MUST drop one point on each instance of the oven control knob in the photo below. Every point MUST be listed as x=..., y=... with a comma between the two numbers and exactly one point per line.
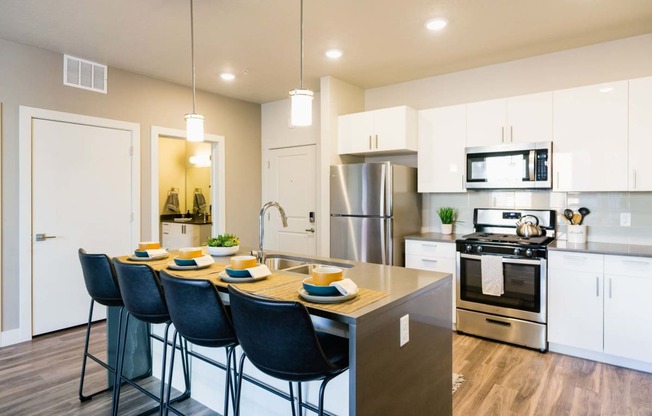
x=517, y=251
x=468, y=248
x=478, y=249
x=528, y=252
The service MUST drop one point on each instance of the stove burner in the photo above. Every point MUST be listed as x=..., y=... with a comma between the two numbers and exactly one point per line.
x=506, y=238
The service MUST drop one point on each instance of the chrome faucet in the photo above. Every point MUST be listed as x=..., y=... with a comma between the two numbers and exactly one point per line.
x=261, y=228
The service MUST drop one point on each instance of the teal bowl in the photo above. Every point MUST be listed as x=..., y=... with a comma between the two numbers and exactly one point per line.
x=185, y=262
x=319, y=290
x=139, y=253
x=237, y=273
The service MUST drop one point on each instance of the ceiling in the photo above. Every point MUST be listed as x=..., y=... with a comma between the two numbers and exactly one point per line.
x=384, y=41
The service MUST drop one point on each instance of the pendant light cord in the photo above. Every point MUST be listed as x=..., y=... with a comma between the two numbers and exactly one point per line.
x=192, y=54
x=301, y=57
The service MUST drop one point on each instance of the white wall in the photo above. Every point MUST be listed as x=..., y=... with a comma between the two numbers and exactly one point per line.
x=610, y=61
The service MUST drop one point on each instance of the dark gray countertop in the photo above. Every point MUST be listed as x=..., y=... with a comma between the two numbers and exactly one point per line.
x=602, y=248
x=445, y=238
x=191, y=222
x=399, y=282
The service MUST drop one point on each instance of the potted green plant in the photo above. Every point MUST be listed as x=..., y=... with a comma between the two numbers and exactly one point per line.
x=447, y=217
x=223, y=245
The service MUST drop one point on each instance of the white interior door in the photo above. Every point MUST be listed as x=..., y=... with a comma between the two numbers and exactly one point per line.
x=82, y=196
x=291, y=182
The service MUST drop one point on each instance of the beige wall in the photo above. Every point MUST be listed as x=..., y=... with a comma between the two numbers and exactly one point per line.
x=610, y=61
x=33, y=77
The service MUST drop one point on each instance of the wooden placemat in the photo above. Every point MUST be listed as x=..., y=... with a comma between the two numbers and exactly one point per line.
x=290, y=291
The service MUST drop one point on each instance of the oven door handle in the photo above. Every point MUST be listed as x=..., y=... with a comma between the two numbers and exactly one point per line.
x=506, y=260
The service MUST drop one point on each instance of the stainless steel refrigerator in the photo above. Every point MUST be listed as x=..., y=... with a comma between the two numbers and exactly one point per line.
x=373, y=207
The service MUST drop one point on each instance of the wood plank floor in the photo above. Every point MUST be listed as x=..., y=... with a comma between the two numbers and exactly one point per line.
x=503, y=380
x=41, y=377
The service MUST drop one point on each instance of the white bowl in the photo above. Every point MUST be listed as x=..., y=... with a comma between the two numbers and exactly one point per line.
x=222, y=251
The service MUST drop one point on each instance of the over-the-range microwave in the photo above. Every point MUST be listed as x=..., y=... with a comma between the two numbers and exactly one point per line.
x=509, y=166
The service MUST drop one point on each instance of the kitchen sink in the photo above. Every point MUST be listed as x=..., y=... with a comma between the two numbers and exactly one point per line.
x=282, y=263
x=299, y=265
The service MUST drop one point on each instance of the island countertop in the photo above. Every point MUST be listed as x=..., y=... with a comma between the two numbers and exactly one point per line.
x=401, y=284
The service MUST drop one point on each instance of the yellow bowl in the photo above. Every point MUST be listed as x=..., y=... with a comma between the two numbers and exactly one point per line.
x=325, y=275
x=242, y=262
x=148, y=245
x=190, y=253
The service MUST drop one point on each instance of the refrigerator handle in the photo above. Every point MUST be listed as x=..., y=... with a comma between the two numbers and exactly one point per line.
x=383, y=242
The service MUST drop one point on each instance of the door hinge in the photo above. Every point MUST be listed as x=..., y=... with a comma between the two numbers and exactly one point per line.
x=131, y=151
x=268, y=165
x=131, y=217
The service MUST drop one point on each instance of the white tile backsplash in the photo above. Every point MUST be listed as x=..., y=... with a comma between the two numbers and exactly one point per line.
x=603, y=223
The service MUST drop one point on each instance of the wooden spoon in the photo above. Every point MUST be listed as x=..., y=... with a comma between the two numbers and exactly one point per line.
x=577, y=218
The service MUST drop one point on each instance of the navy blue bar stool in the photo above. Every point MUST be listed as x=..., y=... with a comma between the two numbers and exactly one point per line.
x=278, y=337
x=144, y=300
x=201, y=318
x=102, y=286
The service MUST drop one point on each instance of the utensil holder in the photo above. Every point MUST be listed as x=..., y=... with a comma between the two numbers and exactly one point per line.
x=576, y=234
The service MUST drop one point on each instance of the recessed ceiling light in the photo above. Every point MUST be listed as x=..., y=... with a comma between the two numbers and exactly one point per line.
x=227, y=76
x=436, y=24
x=334, y=53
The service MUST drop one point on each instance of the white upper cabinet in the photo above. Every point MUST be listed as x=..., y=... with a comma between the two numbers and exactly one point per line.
x=640, y=134
x=590, y=138
x=522, y=119
x=389, y=130
x=442, y=138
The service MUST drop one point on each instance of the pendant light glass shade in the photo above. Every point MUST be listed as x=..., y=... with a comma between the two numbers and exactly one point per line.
x=300, y=99
x=194, y=127
x=301, y=107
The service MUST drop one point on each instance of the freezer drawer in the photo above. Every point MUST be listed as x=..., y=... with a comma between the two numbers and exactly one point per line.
x=362, y=239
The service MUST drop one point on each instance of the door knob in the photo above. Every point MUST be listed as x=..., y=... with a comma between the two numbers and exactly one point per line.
x=310, y=230
x=43, y=237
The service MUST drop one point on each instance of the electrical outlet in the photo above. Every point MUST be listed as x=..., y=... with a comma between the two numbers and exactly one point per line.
x=405, y=330
x=625, y=219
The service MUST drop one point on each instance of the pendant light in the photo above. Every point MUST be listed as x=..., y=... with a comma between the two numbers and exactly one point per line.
x=301, y=99
x=194, y=121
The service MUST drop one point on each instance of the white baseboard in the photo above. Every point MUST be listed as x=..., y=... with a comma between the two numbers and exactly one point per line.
x=10, y=337
x=601, y=357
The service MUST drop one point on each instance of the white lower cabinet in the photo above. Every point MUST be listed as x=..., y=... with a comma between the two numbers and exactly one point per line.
x=601, y=303
x=178, y=235
x=433, y=256
x=575, y=299
x=627, y=307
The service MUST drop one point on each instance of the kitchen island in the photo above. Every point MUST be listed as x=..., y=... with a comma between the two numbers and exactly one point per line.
x=384, y=378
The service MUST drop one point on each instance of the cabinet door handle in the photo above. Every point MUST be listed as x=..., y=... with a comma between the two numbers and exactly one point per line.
x=429, y=245
x=376, y=141
x=610, y=290
x=502, y=134
x=463, y=181
x=511, y=133
x=597, y=287
x=370, y=142
x=578, y=258
x=429, y=260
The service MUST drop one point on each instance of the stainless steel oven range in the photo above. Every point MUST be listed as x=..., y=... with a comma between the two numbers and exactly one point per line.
x=517, y=315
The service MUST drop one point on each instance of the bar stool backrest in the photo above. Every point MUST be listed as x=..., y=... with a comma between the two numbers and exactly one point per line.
x=100, y=278
x=278, y=337
x=142, y=292
x=197, y=311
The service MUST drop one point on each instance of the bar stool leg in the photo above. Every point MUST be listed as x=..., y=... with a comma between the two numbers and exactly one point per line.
x=119, y=364
x=83, y=369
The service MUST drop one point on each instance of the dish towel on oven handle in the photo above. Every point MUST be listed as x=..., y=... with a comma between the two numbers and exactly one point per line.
x=493, y=282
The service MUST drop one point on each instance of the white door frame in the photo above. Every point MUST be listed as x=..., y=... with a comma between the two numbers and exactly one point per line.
x=25, y=232
x=218, y=178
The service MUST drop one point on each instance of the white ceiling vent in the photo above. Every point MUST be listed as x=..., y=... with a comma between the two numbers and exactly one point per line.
x=84, y=74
